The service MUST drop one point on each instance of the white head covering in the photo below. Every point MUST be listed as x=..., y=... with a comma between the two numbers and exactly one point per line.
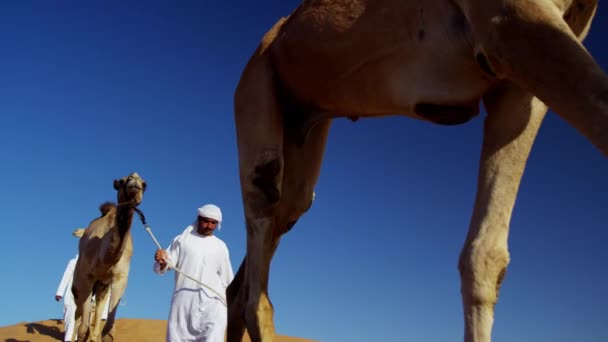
x=211, y=211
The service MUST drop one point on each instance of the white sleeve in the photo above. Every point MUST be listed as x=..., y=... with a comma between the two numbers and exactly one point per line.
x=226, y=274
x=172, y=256
x=67, y=274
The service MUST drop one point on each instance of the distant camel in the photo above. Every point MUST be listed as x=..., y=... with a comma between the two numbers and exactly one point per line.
x=433, y=60
x=105, y=251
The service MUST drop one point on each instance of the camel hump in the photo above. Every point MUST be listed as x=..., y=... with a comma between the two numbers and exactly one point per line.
x=106, y=207
x=78, y=232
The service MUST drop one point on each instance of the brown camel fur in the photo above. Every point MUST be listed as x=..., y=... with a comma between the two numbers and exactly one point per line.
x=105, y=251
x=433, y=60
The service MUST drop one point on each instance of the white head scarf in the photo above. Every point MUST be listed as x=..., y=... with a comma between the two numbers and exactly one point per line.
x=211, y=211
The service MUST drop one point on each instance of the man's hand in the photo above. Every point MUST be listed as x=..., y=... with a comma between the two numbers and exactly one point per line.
x=160, y=256
x=58, y=298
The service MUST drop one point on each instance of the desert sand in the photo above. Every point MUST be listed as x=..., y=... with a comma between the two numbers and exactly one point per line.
x=129, y=330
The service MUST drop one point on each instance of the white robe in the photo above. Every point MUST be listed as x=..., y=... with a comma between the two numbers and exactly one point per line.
x=65, y=290
x=69, y=306
x=197, y=314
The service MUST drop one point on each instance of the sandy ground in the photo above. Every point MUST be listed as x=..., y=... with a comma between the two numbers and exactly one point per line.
x=129, y=330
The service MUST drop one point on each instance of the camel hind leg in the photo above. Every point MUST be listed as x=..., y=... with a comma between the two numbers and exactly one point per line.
x=117, y=289
x=513, y=120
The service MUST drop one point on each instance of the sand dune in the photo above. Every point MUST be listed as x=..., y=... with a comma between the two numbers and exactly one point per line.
x=129, y=330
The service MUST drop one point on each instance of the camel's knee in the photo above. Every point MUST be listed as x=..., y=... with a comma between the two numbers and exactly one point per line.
x=94, y=334
x=83, y=332
x=482, y=270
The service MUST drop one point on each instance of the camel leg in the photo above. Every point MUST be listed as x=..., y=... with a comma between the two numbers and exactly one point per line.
x=528, y=42
x=259, y=134
x=236, y=305
x=117, y=289
x=82, y=290
x=261, y=140
x=258, y=309
x=259, y=130
x=101, y=298
x=301, y=171
x=513, y=120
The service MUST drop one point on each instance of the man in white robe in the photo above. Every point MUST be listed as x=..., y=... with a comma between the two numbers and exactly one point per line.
x=64, y=291
x=197, y=313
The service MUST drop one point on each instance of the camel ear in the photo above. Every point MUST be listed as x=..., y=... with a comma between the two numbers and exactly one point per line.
x=144, y=185
x=118, y=183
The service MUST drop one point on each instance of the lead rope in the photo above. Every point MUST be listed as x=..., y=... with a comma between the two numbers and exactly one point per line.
x=149, y=230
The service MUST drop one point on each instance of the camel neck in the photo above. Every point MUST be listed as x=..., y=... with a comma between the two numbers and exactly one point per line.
x=124, y=218
x=120, y=232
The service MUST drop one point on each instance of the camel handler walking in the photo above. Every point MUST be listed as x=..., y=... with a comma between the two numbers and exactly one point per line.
x=64, y=291
x=198, y=314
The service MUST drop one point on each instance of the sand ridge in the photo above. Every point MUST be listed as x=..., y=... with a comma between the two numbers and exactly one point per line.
x=128, y=330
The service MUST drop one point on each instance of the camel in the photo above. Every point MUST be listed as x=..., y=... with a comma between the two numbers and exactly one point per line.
x=433, y=60
x=78, y=233
x=105, y=251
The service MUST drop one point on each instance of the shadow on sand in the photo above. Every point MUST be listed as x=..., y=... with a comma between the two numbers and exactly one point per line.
x=37, y=328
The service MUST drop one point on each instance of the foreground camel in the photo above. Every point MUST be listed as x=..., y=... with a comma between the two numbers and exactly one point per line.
x=433, y=60
x=105, y=251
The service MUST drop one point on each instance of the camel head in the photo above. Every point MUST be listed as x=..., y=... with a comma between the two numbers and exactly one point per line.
x=130, y=189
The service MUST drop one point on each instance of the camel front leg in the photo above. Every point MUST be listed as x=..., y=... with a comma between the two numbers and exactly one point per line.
x=529, y=43
x=101, y=297
x=258, y=309
x=513, y=120
x=302, y=166
x=117, y=289
x=237, y=295
x=236, y=299
x=82, y=290
x=259, y=130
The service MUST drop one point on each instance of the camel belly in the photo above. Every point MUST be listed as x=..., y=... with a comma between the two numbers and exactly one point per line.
x=370, y=61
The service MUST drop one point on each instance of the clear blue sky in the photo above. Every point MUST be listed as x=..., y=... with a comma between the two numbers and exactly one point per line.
x=93, y=90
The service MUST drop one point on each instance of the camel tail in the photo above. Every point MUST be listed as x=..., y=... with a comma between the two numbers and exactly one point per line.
x=78, y=232
x=106, y=207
